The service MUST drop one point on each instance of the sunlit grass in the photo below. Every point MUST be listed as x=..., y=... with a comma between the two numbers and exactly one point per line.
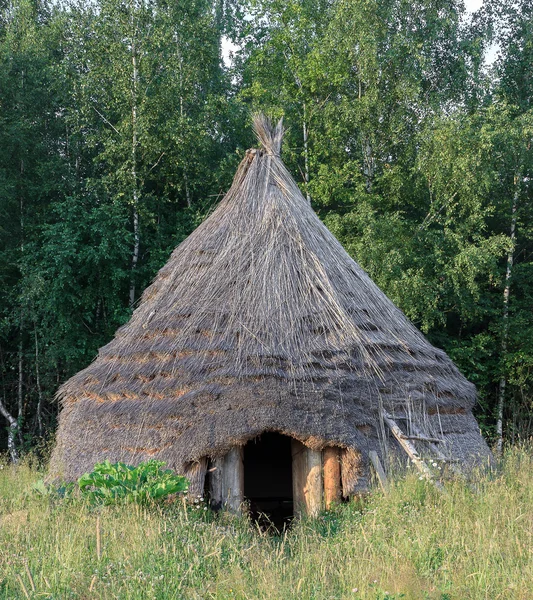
x=474, y=542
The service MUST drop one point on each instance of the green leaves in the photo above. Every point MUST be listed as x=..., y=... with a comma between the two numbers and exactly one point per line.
x=407, y=145
x=111, y=483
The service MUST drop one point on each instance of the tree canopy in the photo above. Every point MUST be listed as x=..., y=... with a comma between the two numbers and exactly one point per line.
x=121, y=126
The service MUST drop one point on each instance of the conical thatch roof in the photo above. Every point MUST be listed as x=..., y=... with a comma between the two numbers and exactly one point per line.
x=259, y=321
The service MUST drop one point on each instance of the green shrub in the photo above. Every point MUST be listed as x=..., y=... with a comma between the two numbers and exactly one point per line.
x=110, y=483
x=63, y=491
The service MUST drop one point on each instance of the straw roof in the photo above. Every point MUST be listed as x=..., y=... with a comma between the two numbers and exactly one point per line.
x=260, y=321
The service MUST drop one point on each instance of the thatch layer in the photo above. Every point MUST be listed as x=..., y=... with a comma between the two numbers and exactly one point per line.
x=259, y=321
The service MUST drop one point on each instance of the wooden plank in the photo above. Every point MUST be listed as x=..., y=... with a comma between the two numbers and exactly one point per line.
x=233, y=480
x=410, y=450
x=332, y=476
x=306, y=479
x=196, y=476
x=380, y=471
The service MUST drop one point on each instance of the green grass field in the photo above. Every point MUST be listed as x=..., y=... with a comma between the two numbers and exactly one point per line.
x=475, y=542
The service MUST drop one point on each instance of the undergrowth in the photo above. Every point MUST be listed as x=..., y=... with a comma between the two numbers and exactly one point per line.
x=474, y=542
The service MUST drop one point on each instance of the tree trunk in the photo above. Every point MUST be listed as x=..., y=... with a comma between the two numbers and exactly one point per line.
x=12, y=432
x=134, y=142
x=20, y=395
x=20, y=385
x=505, y=316
x=182, y=115
x=39, y=389
x=368, y=165
x=306, y=155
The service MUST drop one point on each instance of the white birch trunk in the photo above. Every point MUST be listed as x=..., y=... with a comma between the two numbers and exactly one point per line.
x=182, y=114
x=12, y=432
x=369, y=165
x=39, y=389
x=505, y=316
x=20, y=386
x=306, y=154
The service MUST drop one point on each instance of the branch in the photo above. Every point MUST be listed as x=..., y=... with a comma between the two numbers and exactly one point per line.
x=104, y=119
x=430, y=217
x=156, y=163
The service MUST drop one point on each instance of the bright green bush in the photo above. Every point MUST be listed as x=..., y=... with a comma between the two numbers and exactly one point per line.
x=110, y=483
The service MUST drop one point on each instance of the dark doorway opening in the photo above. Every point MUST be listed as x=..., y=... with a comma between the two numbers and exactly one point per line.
x=268, y=479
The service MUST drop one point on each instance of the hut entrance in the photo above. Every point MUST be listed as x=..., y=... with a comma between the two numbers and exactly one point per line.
x=268, y=479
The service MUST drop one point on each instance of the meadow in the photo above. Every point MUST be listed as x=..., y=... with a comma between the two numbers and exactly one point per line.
x=473, y=542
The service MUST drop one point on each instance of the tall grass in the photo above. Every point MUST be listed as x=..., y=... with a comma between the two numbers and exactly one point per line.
x=415, y=543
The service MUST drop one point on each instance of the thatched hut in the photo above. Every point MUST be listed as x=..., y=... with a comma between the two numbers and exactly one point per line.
x=265, y=357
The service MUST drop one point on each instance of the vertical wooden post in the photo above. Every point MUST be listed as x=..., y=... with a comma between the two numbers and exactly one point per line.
x=298, y=476
x=332, y=476
x=233, y=480
x=314, y=488
x=306, y=479
x=215, y=476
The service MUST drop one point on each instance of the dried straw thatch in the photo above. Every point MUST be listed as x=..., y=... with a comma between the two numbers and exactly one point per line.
x=260, y=321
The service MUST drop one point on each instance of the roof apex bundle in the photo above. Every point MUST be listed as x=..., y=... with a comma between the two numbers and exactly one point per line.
x=260, y=321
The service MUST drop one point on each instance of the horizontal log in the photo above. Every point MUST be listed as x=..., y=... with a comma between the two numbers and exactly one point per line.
x=423, y=438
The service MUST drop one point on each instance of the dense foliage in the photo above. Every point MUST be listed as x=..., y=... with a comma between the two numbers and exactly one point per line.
x=112, y=483
x=121, y=126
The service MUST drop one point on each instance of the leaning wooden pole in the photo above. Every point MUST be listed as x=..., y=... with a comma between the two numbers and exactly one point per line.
x=410, y=449
x=380, y=471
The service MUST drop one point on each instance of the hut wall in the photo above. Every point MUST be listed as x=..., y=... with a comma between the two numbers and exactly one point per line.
x=352, y=471
x=196, y=475
x=226, y=481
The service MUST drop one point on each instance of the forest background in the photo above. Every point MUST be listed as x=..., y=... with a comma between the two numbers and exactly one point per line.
x=121, y=127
